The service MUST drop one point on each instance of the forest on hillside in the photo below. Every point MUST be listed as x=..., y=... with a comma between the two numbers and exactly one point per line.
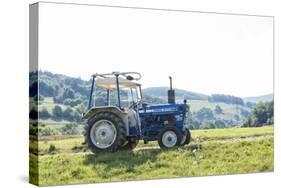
x=63, y=99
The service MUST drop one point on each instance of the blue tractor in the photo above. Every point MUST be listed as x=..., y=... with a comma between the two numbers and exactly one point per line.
x=117, y=117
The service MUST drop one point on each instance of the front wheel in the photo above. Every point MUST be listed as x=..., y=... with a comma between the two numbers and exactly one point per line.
x=186, y=138
x=169, y=137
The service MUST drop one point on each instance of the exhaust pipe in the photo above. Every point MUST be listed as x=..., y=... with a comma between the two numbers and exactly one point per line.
x=171, y=93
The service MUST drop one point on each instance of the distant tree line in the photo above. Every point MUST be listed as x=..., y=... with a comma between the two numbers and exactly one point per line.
x=153, y=100
x=57, y=114
x=226, y=99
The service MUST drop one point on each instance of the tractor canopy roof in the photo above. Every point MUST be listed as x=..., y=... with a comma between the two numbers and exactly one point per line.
x=125, y=79
x=110, y=83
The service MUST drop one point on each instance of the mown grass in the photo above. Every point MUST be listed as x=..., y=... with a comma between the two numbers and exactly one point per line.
x=71, y=145
x=218, y=134
x=213, y=158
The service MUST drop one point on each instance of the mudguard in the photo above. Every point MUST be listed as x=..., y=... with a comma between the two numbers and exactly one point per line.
x=113, y=109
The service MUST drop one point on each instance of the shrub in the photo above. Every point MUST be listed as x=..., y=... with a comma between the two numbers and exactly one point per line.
x=81, y=108
x=218, y=109
x=33, y=114
x=77, y=116
x=68, y=93
x=205, y=114
x=38, y=98
x=47, y=131
x=209, y=126
x=68, y=114
x=262, y=115
x=72, y=102
x=33, y=130
x=70, y=129
x=58, y=99
x=57, y=112
x=44, y=114
x=46, y=89
x=220, y=124
x=52, y=149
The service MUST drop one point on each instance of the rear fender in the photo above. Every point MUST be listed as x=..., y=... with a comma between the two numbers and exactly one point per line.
x=113, y=109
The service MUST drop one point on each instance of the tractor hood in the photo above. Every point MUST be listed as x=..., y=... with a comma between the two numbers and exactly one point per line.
x=164, y=108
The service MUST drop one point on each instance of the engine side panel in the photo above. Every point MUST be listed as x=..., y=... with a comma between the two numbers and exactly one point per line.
x=156, y=117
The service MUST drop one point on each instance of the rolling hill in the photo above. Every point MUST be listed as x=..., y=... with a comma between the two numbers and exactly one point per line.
x=262, y=98
x=181, y=94
x=71, y=95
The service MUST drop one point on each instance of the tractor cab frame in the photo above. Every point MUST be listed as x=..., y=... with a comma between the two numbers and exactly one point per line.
x=115, y=81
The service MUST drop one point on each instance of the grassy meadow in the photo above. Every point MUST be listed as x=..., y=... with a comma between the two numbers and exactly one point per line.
x=211, y=152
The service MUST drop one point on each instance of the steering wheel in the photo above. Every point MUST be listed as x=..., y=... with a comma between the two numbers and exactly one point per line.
x=135, y=104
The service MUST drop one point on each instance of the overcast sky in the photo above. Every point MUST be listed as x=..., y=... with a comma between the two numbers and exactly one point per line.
x=206, y=53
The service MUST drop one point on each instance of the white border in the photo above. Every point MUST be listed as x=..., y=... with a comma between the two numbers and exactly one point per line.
x=14, y=91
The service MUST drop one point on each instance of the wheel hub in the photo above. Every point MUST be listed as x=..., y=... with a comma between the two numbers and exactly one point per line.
x=169, y=139
x=103, y=134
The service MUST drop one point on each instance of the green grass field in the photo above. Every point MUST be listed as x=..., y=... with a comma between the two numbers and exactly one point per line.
x=211, y=152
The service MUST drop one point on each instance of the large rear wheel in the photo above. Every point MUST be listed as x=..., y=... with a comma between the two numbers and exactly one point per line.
x=105, y=132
